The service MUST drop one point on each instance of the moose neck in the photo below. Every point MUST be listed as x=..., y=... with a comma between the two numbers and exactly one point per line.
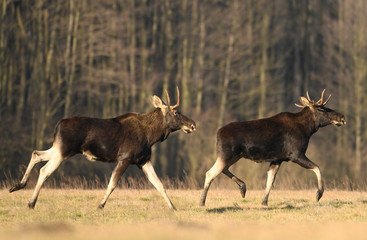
x=309, y=120
x=156, y=126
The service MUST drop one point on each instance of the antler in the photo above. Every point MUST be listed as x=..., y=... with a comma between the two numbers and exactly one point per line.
x=300, y=106
x=169, y=101
x=321, y=101
x=308, y=96
x=309, y=99
x=310, y=103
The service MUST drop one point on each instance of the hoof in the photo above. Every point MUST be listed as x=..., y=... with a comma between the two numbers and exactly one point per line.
x=173, y=208
x=16, y=187
x=31, y=205
x=265, y=200
x=243, y=191
x=202, y=201
x=319, y=194
x=101, y=206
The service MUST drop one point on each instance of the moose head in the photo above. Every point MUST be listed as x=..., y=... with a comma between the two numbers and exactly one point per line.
x=174, y=119
x=323, y=115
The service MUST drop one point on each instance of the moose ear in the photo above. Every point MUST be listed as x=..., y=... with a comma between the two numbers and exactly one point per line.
x=157, y=102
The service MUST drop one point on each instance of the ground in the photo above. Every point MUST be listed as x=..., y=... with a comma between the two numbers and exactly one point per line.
x=143, y=214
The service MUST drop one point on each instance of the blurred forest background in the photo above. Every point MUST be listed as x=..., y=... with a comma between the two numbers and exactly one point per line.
x=232, y=60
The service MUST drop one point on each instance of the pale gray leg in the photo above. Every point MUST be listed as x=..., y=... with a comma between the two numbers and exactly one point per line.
x=272, y=172
x=153, y=178
x=210, y=175
x=45, y=172
x=116, y=175
x=303, y=161
x=37, y=156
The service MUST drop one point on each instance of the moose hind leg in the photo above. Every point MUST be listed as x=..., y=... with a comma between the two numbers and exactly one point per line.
x=308, y=164
x=210, y=175
x=272, y=172
x=153, y=178
x=45, y=172
x=116, y=175
x=37, y=156
x=241, y=184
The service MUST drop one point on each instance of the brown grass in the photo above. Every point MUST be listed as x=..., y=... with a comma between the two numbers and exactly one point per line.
x=142, y=214
x=255, y=181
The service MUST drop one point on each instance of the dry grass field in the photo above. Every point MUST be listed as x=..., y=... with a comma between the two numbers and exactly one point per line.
x=143, y=214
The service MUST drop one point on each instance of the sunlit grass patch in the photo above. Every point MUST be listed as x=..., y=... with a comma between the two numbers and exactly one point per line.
x=226, y=214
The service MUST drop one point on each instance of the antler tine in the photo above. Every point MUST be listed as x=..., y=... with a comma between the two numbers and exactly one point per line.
x=312, y=102
x=327, y=100
x=178, y=99
x=168, y=100
x=308, y=97
x=300, y=106
x=321, y=101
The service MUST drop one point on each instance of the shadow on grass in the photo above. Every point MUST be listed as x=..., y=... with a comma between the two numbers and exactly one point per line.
x=290, y=207
x=224, y=209
x=293, y=205
x=339, y=203
x=281, y=207
x=262, y=208
x=297, y=204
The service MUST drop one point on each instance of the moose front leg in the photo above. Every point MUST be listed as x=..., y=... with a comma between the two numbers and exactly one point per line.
x=120, y=168
x=153, y=178
x=303, y=161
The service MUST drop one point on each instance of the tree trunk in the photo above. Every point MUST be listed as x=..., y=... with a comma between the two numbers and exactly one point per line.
x=200, y=75
x=132, y=49
x=71, y=41
x=227, y=71
x=264, y=65
x=360, y=70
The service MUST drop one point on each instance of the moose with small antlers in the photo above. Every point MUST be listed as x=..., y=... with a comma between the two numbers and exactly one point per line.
x=283, y=137
x=126, y=140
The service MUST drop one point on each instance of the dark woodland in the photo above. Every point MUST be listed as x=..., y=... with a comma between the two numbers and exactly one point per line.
x=232, y=61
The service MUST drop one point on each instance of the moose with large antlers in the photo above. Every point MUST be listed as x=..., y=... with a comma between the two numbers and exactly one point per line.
x=283, y=137
x=126, y=140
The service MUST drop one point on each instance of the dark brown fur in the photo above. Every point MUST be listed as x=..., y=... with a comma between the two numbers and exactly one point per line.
x=283, y=137
x=129, y=136
x=126, y=140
